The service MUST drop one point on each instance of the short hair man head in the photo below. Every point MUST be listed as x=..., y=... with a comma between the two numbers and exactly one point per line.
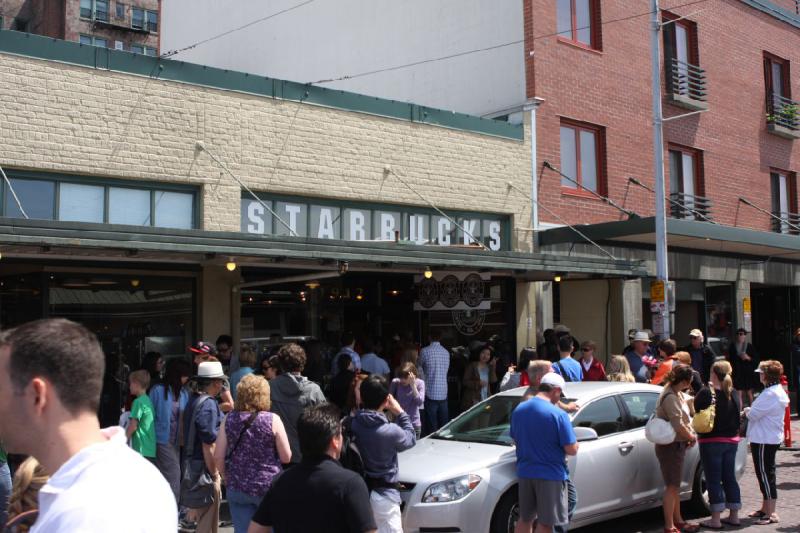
x=537, y=369
x=292, y=358
x=320, y=432
x=51, y=376
x=374, y=391
x=565, y=345
x=435, y=335
x=668, y=347
x=348, y=339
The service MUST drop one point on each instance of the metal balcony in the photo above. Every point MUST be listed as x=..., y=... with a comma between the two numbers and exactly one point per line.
x=686, y=85
x=785, y=225
x=783, y=116
x=690, y=206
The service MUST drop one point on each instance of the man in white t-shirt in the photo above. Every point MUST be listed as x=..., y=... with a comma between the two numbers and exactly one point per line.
x=51, y=376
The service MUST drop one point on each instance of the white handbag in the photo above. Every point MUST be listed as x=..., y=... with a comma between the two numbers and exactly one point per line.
x=659, y=431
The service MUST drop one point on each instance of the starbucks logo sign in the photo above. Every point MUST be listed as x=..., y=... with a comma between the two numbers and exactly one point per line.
x=428, y=293
x=450, y=291
x=469, y=322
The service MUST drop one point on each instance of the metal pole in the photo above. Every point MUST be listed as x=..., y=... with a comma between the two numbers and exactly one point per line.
x=662, y=271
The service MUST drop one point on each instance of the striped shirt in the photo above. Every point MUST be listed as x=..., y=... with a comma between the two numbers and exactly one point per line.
x=435, y=361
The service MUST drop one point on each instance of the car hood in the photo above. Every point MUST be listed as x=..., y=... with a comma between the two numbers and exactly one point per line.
x=436, y=459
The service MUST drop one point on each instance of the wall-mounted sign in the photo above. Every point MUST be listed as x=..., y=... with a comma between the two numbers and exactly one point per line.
x=360, y=222
x=452, y=291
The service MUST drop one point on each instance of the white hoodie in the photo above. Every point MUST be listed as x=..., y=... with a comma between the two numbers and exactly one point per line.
x=765, y=418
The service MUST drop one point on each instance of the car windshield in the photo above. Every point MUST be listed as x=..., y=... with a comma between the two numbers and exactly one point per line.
x=488, y=422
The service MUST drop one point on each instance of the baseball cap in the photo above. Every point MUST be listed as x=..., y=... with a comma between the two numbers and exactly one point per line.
x=554, y=380
x=204, y=348
x=695, y=333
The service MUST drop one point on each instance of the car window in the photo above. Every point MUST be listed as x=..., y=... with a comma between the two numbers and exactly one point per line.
x=601, y=415
x=488, y=422
x=640, y=406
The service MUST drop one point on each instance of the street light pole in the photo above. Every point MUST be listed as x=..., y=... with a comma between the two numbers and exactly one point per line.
x=662, y=270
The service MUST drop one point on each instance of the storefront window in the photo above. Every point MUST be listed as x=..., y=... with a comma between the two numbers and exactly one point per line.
x=81, y=203
x=128, y=206
x=35, y=196
x=174, y=210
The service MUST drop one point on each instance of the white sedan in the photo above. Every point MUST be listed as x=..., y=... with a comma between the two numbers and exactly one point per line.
x=463, y=477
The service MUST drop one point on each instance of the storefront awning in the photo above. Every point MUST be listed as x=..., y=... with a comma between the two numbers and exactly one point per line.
x=82, y=241
x=683, y=234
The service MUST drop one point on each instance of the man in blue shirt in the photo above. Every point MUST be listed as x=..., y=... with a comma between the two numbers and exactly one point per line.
x=371, y=362
x=641, y=348
x=567, y=367
x=543, y=435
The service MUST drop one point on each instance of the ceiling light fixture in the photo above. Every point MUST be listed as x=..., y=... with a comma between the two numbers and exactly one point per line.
x=230, y=265
x=428, y=273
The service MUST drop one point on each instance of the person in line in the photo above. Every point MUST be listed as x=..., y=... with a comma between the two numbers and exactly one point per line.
x=229, y=360
x=434, y=361
x=744, y=361
x=51, y=377
x=517, y=374
x=348, y=348
x=666, y=356
x=340, y=498
x=342, y=384
x=23, y=507
x=479, y=377
x=619, y=370
x=203, y=418
x=566, y=366
x=794, y=355
x=371, y=362
x=315, y=366
x=153, y=363
x=592, y=367
x=141, y=431
x=544, y=437
x=410, y=393
x=379, y=442
x=673, y=407
x=718, y=447
x=247, y=362
x=701, y=354
x=765, y=434
x=291, y=393
x=250, y=449
x=636, y=356
x=683, y=358
x=271, y=367
x=5, y=484
x=169, y=401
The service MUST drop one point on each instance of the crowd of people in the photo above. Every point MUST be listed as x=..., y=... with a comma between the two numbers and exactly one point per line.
x=261, y=428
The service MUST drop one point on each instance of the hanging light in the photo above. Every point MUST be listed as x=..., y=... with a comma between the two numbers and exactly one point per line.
x=557, y=279
x=230, y=265
x=135, y=283
x=428, y=273
x=313, y=284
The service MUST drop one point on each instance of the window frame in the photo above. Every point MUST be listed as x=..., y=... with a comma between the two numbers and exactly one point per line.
x=595, y=27
x=791, y=192
x=93, y=40
x=630, y=420
x=697, y=164
x=147, y=24
x=785, y=65
x=134, y=10
x=107, y=184
x=117, y=7
x=93, y=11
x=623, y=421
x=600, y=158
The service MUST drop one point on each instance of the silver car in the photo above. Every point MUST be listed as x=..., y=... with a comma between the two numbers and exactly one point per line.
x=463, y=478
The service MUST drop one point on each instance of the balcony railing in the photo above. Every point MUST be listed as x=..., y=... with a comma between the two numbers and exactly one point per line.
x=686, y=80
x=785, y=225
x=690, y=206
x=783, y=112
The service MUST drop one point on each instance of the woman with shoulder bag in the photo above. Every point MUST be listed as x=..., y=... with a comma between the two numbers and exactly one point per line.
x=718, y=446
x=250, y=448
x=765, y=433
x=673, y=407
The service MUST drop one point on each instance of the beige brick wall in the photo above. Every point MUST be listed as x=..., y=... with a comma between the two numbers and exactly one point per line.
x=59, y=117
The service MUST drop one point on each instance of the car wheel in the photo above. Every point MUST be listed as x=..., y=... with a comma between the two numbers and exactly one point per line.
x=506, y=514
x=699, y=502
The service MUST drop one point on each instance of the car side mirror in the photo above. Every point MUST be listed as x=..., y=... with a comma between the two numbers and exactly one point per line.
x=583, y=434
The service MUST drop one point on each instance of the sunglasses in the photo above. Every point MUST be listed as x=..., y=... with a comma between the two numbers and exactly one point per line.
x=587, y=349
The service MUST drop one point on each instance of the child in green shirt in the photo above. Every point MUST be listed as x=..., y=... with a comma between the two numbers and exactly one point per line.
x=141, y=427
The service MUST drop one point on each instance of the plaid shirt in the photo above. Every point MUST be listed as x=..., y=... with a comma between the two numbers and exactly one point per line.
x=435, y=361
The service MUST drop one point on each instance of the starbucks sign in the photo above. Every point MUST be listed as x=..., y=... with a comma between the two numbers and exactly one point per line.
x=323, y=219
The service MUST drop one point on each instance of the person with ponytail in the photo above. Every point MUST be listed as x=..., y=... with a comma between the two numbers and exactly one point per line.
x=24, y=503
x=718, y=447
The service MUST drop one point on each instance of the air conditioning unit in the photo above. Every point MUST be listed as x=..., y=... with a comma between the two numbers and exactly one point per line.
x=119, y=45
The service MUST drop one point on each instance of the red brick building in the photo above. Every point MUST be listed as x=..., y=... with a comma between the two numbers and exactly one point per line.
x=732, y=63
x=131, y=25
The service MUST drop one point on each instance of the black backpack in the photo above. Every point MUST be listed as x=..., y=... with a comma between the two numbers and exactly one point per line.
x=350, y=457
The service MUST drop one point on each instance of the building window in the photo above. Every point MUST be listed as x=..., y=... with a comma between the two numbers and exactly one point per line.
x=684, y=76
x=120, y=10
x=781, y=110
x=144, y=50
x=784, y=201
x=579, y=21
x=142, y=19
x=583, y=157
x=151, y=19
x=86, y=200
x=686, y=184
x=93, y=41
x=137, y=18
x=94, y=10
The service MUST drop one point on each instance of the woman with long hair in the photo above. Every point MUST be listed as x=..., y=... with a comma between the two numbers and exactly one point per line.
x=765, y=433
x=250, y=447
x=169, y=399
x=153, y=362
x=718, y=447
x=478, y=378
x=23, y=506
x=409, y=390
x=619, y=370
x=673, y=407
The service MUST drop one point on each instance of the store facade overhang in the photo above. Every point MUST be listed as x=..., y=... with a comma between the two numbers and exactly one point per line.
x=682, y=234
x=39, y=239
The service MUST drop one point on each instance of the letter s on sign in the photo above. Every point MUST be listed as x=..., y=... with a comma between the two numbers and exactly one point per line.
x=255, y=215
x=494, y=236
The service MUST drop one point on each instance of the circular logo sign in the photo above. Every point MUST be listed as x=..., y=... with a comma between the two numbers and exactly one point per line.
x=449, y=291
x=427, y=293
x=472, y=290
x=469, y=322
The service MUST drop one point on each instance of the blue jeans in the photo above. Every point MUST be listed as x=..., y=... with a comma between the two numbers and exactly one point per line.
x=436, y=414
x=719, y=464
x=5, y=493
x=572, y=502
x=243, y=507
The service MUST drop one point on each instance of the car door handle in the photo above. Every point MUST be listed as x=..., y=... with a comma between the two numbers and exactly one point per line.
x=625, y=447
